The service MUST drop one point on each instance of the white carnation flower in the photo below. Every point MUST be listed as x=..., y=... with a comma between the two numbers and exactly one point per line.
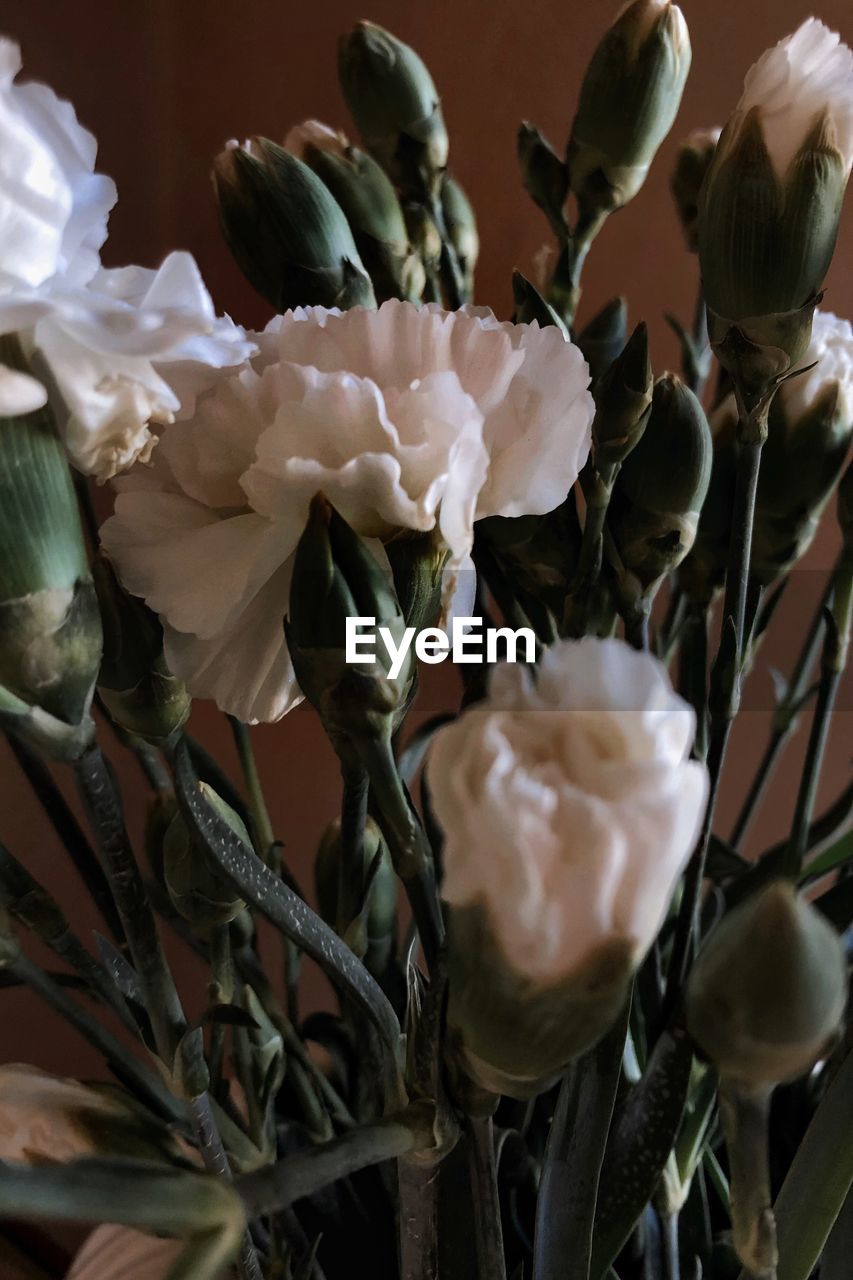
x=405, y=418
x=831, y=354
x=121, y=349
x=792, y=85
x=569, y=804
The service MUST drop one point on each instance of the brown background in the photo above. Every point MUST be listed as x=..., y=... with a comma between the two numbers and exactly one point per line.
x=163, y=85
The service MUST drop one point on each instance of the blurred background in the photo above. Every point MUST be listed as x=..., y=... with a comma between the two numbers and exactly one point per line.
x=164, y=83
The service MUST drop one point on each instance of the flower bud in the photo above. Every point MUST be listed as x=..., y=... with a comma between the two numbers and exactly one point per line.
x=691, y=164
x=629, y=99
x=543, y=173
x=654, y=511
x=770, y=205
x=602, y=340
x=335, y=577
x=538, y=554
x=557, y=875
x=288, y=234
x=623, y=402
x=461, y=224
x=365, y=194
x=372, y=936
x=768, y=990
x=531, y=307
x=513, y=1035
x=394, y=103
x=50, y=631
x=423, y=237
x=134, y=682
x=197, y=889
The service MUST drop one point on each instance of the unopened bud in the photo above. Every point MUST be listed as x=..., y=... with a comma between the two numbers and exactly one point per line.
x=602, y=340
x=691, y=164
x=623, y=402
x=372, y=933
x=543, y=173
x=198, y=891
x=531, y=307
x=368, y=199
x=461, y=224
x=658, y=495
x=50, y=629
x=768, y=990
x=134, y=682
x=394, y=103
x=629, y=99
x=288, y=234
x=423, y=237
x=335, y=578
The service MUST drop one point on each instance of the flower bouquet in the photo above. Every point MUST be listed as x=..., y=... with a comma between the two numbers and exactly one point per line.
x=572, y=1032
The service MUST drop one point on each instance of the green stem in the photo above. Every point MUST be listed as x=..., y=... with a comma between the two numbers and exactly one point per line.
x=145, y=1083
x=103, y=805
x=215, y=1159
x=487, y=1210
x=785, y=716
x=598, y=489
x=724, y=697
x=568, y=1191
x=262, y=828
x=407, y=841
x=351, y=868
x=798, y=843
x=417, y=1187
x=66, y=826
x=745, y=1114
x=275, y=1188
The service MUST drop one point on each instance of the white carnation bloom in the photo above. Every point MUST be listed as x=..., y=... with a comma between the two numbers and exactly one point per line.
x=405, y=418
x=569, y=804
x=831, y=353
x=53, y=207
x=794, y=84
x=122, y=349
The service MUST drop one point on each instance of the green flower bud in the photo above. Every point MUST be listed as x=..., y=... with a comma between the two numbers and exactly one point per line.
x=394, y=103
x=288, y=234
x=373, y=935
x=531, y=307
x=335, y=577
x=765, y=244
x=629, y=99
x=801, y=463
x=135, y=684
x=512, y=1036
x=623, y=402
x=691, y=164
x=654, y=511
x=461, y=224
x=368, y=199
x=543, y=173
x=768, y=991
x=266, y=1049
x=602, y=340
x=423, y=236
x=538, y=554
x=50, y=630
x=198, y=891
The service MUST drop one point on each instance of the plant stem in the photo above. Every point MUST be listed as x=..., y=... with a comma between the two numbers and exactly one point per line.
x=407, y=841
x=568, y=1191
x=146, y=1084
x=744, y=1114
x=302, y=1174
x=215, y=1160
x=487, y=1210
x=262, y=828
x=351, y=868
x=417, y=1187
x=724, y=697
x=70, y=832
x=785, y=716
x=103, y=805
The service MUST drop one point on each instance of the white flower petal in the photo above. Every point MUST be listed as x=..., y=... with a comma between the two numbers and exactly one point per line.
x=19, y=393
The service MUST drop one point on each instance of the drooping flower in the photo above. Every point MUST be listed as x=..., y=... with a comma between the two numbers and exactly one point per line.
x=409, y=421
x=116, y=349
x=771, y=201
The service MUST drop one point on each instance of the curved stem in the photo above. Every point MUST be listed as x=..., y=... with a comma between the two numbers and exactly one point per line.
x=262, y=828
